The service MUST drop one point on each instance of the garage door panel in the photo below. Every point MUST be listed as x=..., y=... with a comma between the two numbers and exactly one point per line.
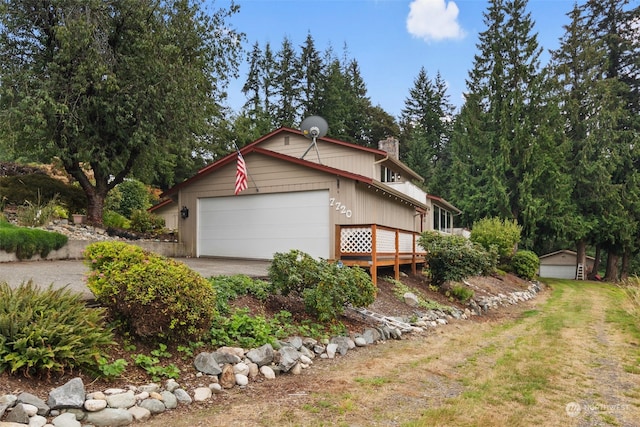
x=257, y=226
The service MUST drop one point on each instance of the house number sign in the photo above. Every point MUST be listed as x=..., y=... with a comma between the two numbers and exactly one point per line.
x=340, y=207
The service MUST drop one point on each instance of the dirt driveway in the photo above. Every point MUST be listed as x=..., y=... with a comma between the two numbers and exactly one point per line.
x=570, y=357
x=71, y=273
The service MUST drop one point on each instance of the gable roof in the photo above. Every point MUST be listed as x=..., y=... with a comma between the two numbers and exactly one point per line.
x=443, y=202
x=563, y=251
x=254, y=148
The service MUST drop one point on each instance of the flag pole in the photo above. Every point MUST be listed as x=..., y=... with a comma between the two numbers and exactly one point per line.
x=247, y=170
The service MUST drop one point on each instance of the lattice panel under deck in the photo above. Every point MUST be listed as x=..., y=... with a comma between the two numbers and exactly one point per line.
x=385, y=241
x=355, y=240
x=405, y=242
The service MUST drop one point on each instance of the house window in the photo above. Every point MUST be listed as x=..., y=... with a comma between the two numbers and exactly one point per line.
x=388, y=175
x=442, y=220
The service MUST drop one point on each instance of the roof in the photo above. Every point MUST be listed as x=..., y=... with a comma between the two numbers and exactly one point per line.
x=254, y=148
x=444, y=203
x=563, y=251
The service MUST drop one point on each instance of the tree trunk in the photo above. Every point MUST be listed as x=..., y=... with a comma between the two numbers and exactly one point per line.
x=596, y=264
x=581, y=256
x=624, y=269
x=611, y=274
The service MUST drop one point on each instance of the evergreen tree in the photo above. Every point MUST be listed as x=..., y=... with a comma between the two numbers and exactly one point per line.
x=507, y=143
x=312, y=74
x=287, y=85
x=426, y=126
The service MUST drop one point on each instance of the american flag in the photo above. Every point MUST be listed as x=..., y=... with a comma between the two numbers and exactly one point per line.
x=241, y=175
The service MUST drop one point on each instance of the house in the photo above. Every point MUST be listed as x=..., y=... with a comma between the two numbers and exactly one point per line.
x=333, y=200
x=562, y=265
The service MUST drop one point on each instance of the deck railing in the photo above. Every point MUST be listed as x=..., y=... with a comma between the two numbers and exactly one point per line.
x=373, y=246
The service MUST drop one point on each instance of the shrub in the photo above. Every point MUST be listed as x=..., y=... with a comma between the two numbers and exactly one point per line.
x=337, y=287
x=112, y=219
x=525, y=264
x=242, y=329
x=129, y=196
x=453, y=258
x=293, y=271
x=325, y=287
x=158, y=297
x=27, y=242
x=32, y=188
x=146, y=222
x=504, y=235
x=49, y=330
x=461, y=293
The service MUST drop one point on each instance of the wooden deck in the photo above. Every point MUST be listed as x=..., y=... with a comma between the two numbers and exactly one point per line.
x=372, y=246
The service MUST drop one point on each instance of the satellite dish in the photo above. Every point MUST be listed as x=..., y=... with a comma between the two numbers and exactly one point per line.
x=314, y=127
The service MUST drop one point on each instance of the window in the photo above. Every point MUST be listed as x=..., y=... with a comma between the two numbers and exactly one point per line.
x=387, y=175
x=442, y=220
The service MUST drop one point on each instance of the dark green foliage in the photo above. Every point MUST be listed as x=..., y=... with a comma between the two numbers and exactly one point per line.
x=525, y=264
x=43, y=331
x=124, y=88
x=132, y=195
x=325, y=287
x=293, y=271
x=27, y=242
x=146, y=222
x=158, y=297
x=39, y=188
x=453, y=258
x=337, y=287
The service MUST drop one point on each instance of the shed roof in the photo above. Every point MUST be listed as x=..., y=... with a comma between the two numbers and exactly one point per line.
x=563, y=251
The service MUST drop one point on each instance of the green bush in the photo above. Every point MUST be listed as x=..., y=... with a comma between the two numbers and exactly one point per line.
x=146, y=222
x=461, y=293
x=115, y=220
x=293, y=271
x=504, y=235
x=325, y=287
x=27, y=242
x=242, y=329
x=39, y=188
x=131, y=195
x=337, y=287
x=43, y=331
x=158, y=297
x=453, y=258
x=525, y=264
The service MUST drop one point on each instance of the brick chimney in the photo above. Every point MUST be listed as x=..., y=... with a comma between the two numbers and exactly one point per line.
x=391, y=146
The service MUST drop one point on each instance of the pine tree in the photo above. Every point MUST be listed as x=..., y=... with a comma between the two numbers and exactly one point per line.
x=312, y=74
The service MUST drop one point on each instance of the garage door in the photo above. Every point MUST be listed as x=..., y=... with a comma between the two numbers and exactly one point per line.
x=257, y=226
x=558, y=271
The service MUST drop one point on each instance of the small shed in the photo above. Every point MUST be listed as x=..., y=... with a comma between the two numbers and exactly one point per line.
x=562, y=265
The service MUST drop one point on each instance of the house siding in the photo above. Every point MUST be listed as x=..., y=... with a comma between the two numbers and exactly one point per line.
x=349, y=202
x=333, y=155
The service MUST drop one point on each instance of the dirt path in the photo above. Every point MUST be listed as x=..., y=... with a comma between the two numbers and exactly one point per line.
x=564, y=359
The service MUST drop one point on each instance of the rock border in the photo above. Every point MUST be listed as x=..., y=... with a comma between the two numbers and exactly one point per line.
x=71, y=406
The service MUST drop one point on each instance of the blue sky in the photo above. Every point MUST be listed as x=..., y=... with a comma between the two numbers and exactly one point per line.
x=390, y=39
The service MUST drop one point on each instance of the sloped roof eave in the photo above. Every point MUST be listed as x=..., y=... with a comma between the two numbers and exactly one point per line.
x=410, y=200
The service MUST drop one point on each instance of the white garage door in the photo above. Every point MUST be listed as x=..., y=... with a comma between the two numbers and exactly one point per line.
x=259, y=225
x=558, y=271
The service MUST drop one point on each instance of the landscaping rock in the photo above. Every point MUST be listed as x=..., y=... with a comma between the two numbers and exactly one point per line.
x=70, y=395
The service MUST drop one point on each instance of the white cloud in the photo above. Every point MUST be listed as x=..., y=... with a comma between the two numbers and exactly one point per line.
x=434, y=20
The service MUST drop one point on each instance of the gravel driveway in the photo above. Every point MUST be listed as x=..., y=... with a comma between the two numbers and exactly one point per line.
x=71, y=273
